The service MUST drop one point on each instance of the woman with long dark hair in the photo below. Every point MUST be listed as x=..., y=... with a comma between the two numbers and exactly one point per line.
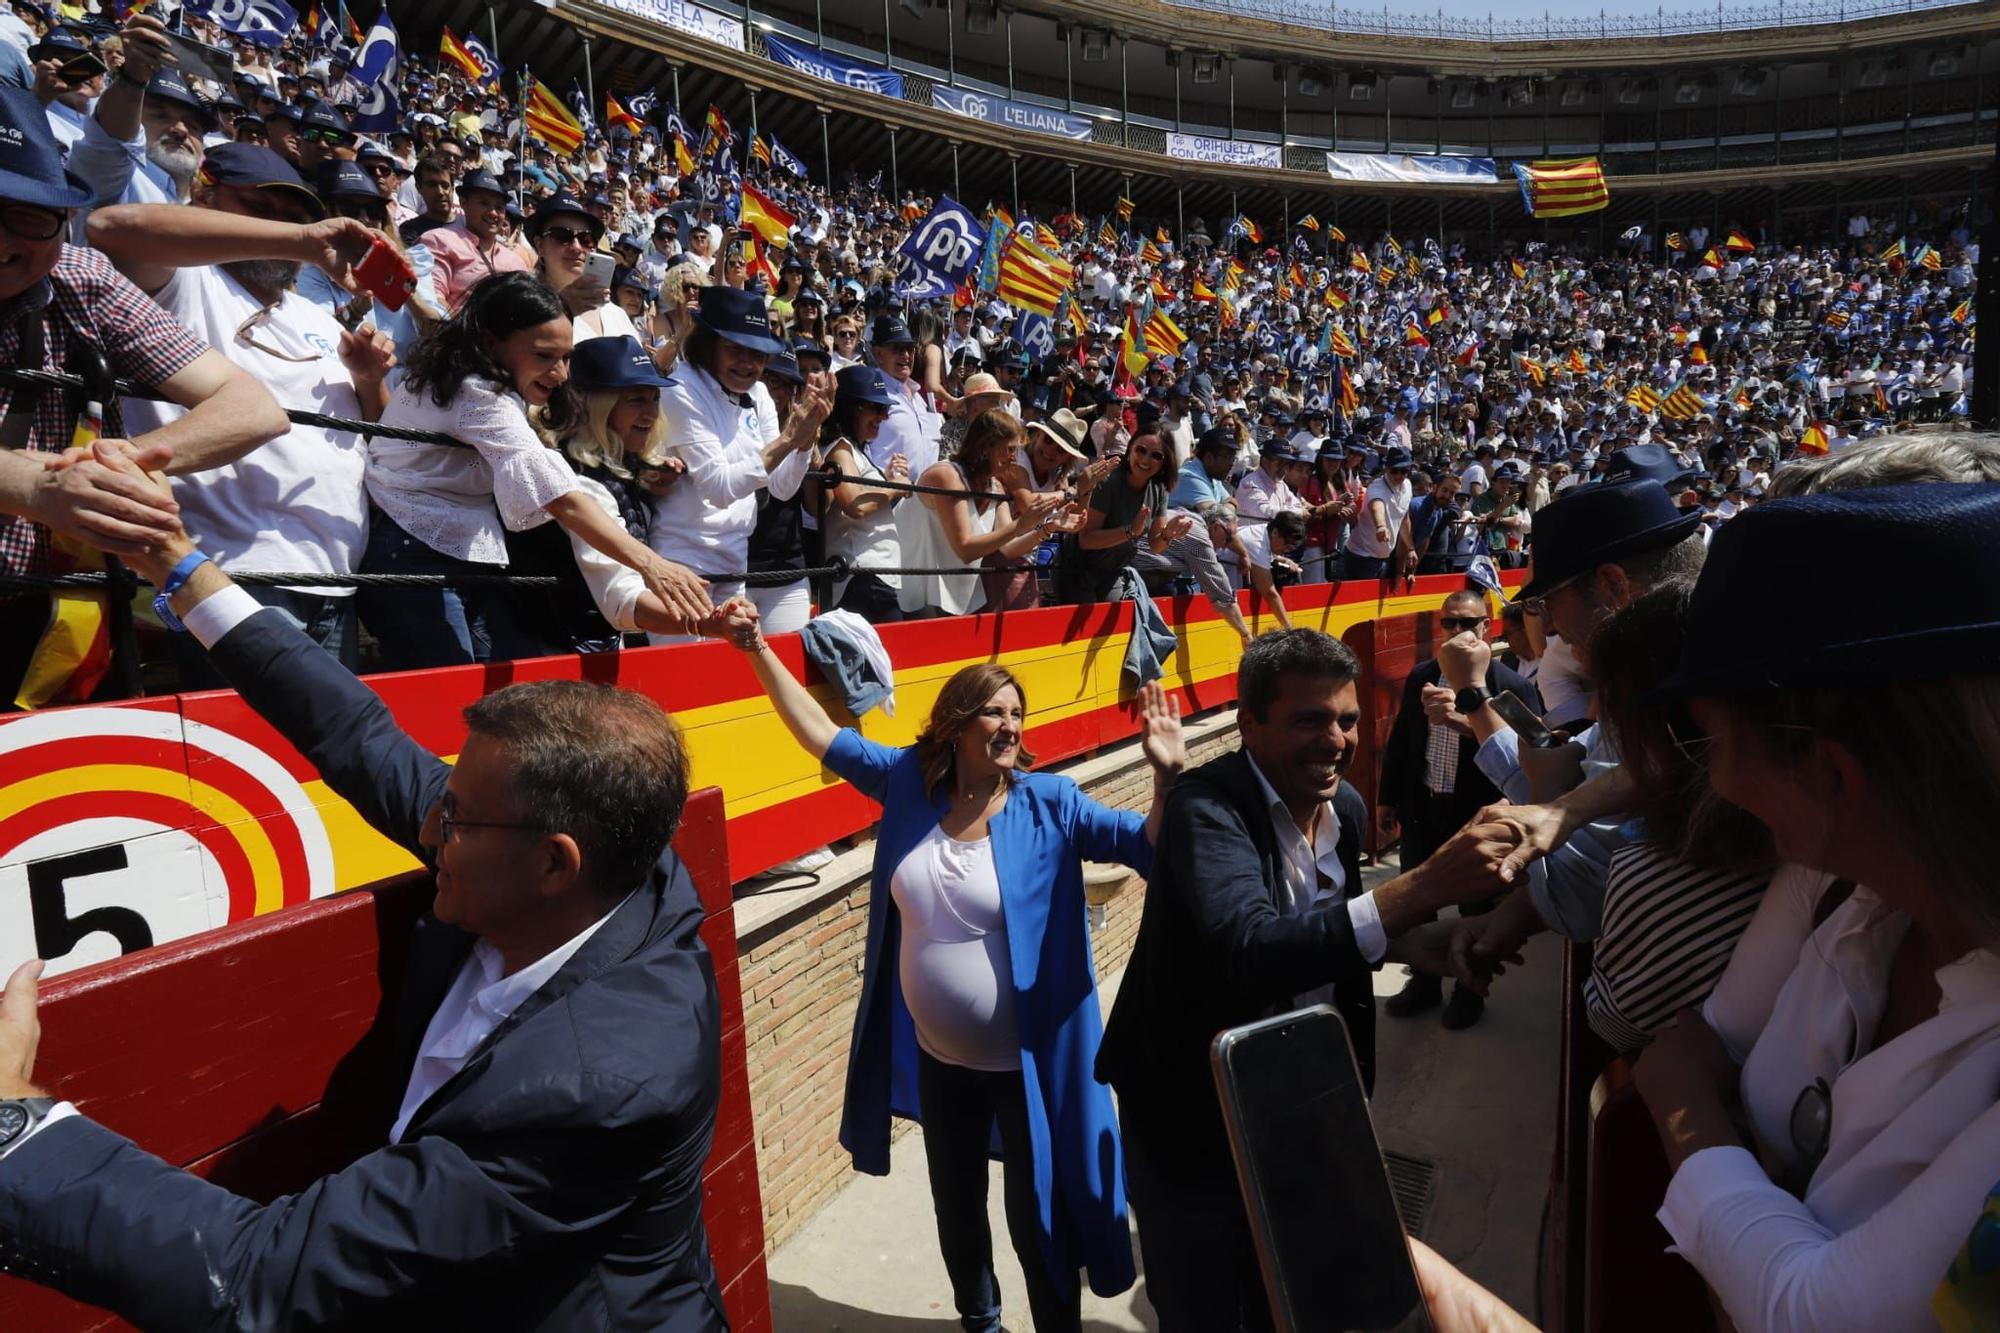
x=447, y=508
x=978, y=1001
x=1129, y=507
x=939, y=531
x=861, y=519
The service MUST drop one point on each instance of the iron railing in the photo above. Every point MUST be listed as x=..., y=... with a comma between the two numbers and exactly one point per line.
x=1548, y=26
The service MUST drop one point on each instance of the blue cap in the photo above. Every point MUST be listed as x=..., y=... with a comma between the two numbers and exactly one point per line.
x=805, y=347
x=613, y=363
x=785, y=367
x=738, y=317
x=169, y=86
x=256, y=167
x=859, y=384
x=31, y=166
x=339, y=178
x=324, y=115
x=890, y=330
x=560, y=205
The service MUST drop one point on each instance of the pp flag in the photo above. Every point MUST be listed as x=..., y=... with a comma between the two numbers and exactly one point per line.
x=377, y=112
x=782, y=158
x=265, y=22
x=914, y=282
x=949, y=242
x=381, y=55
x=489, y=62
x=1562, y=187
x=1036, y=333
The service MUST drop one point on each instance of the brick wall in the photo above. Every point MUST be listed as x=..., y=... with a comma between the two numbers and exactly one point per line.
x=801, y=983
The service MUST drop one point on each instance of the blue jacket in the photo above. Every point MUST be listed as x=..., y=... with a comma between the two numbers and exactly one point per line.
x=1040, y=839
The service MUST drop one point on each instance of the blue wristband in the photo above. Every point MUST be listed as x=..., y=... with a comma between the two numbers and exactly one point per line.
x=177, y=579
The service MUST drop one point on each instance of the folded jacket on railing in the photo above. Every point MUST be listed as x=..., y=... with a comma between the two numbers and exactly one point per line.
x=1152, y=643
x=849, y=652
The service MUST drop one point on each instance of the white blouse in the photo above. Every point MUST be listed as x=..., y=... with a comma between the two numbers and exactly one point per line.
x=956, y=971
x=705, y=521
x=455, y=499
x=1915, y=1140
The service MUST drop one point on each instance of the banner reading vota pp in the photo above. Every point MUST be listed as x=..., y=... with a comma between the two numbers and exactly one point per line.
x=697, y=20
x=1016, y=115
x=1230, y=152
x=834, y=69
x=948, y=242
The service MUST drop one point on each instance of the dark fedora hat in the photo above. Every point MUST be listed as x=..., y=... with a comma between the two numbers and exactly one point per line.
x=1741, y=639
x=1600, y=525
x=613, y=363
x=31, y=166
x=860, y=384
x=738, y=317
x=1649, y=460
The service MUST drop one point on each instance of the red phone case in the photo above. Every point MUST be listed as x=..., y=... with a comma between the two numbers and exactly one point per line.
x=385, y=275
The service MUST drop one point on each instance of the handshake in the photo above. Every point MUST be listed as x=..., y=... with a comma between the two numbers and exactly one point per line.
x=112, y=495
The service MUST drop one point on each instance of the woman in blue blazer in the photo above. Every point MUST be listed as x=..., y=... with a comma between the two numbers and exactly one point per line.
x=978, y=999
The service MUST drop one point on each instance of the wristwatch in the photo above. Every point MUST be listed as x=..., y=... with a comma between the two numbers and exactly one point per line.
x=177, y=579
x=1470, y=700
x=19, y=1116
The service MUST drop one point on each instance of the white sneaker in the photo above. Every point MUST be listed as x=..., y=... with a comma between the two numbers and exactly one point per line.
x=807, y=863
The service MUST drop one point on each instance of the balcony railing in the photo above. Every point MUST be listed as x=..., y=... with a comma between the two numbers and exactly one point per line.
x=1332, y=16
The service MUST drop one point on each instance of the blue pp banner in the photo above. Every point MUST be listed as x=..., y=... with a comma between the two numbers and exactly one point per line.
x=914, y=282
x=1036, y=333
x=1014, y=115
x=265, y=22
x=834, y=69
x=948, y=242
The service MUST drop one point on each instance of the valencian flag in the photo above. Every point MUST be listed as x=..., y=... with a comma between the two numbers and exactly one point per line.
x=1046, y=237
x=1683, y=404
x=616, y=115
x=1676, y=241
x=1031, y=277
x=450, y=48
x=1125, y=207
x=1105, y=236
x=1962, y=311
x=1643, y=397
x=764, y=216
x=1814, y=440
x=1336, y=235
x=1562, y=187
x=761, y=151
x=1837, y=317
x=1738, y=241
x=1340, y=343
x=552, y=122
x=1343, y=390
x=1530, y=369
x=1308, y=223
x=1578, y=362
x=1894, y=251
x=354, y=33
x=1163, y=336
x=1151, y=253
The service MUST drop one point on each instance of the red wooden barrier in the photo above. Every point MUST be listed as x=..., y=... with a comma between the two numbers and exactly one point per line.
x=255, y=1054
x=1390, y=649
x=1631, y=1283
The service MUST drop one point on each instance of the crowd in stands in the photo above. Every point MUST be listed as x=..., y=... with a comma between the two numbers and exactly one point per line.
x=1762, y=806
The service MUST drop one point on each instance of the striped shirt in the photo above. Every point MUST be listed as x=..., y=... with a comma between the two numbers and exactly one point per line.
x=1669, y=928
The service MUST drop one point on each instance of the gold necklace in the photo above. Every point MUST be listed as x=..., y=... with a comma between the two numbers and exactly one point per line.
x=964, y=795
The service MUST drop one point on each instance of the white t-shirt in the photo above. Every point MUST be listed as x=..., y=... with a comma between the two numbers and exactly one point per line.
x=1395, y=500
x=705, y=521
x=298, y=502
x=957, y=973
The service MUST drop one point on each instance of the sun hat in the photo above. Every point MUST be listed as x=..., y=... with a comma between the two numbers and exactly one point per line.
x=1066, y=429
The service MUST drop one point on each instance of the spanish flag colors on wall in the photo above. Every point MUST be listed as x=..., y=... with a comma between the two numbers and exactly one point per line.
x=1562, y=187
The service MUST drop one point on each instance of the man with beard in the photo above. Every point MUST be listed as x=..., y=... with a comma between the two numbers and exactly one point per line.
x=226, y=268
x=144, y=142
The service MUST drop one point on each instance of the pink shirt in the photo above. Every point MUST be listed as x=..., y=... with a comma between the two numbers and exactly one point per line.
x=461, y=264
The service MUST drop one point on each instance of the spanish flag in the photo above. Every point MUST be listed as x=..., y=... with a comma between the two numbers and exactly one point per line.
x=1336, y=296
x=1201, y=291
x=1032, y=277
x=683, y=159
x=1518, y=269
x=1160, y=235
x=1438, y=315
x=1814, y=441
x=1698, y=355
x=551, y=122
x=1562, y=187
x=1359, y=262
x=764, y=216
x=1132, y=349
x=1738, y=241
x=1713, y=258
x=74, y=651
x=616, y=115
x=450, y=48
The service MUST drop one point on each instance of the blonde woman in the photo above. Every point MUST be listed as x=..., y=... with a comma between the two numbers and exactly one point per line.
x=680, y=289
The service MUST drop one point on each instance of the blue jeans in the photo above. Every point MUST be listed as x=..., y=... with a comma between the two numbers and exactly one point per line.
x=1363, y=566
x=327, y=621
x=433, y=627
x=959, y=1107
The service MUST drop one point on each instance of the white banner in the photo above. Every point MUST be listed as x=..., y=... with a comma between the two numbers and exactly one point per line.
x=695, y=20
x=1409, y=168
x=1230, y=152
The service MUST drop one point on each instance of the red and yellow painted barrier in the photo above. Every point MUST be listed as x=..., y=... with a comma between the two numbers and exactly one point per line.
x=124, y=825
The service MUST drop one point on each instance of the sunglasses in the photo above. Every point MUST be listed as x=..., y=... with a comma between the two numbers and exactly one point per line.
x=1149, y=453
x=1460, y=624
x=570, y=236
x=331, y=138
x=31, y=223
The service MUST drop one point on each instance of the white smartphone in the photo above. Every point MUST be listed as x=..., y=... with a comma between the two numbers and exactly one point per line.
x=600, y=266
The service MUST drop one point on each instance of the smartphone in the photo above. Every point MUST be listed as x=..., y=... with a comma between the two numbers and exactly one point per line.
x=198, y=60
x=600, y=266
x=1329, y=1239
x=81, y=69
x=1514, y=711
x=385, y=275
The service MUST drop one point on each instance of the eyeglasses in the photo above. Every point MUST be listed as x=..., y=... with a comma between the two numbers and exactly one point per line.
x=449, y=822
x=570, y=236
x=245, y=336
x=1149, y=453
x=1811, y=1124
x=31, y=223
x=1538, y=606
x=1460, y=624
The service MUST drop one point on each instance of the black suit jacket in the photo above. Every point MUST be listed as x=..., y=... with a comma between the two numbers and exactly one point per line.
x=553, y=1183
x=1216, y=949
x=1404, y=777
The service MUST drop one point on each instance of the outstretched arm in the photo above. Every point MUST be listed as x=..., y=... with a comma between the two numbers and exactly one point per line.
x=801, y=713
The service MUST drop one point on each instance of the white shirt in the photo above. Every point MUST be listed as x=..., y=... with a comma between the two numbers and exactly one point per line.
x=454, y=499
x=1361, y=538
x=298, y=502
x=705, y=521
x=955, y=967
x=607, y=321
x=1563, y=686
x=480, y=1000
x=1915, y=1127
x=912, y=428
x=1260, y=496
x=1304, y=863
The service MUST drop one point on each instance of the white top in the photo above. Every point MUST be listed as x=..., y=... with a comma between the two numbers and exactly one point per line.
x=920, y=531
x=1305, y=862
x=912, y=428
x=1260, y=496
x=873, y=541
x=607, y=321
x=957, y=974
x=615, y=588
x=1361, y=538
x=480, y=1000
x=705, y=521
x=1256, y=539
x=296, y=503
x=454, y=499
x=1915, y=1126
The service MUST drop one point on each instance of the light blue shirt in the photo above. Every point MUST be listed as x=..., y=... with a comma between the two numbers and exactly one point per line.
x=117, y=170
x=1568, y=884
x=1196, y=488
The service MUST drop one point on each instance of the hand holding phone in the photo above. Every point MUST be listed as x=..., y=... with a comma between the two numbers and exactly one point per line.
x=1514, y=711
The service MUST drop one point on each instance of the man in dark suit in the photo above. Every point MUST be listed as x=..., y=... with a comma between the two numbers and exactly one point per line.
x=560, y=1041
x=1256, y=906
x=1430, y=786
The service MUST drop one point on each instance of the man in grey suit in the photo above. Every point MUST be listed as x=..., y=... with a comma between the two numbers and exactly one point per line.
x=559, y=1039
